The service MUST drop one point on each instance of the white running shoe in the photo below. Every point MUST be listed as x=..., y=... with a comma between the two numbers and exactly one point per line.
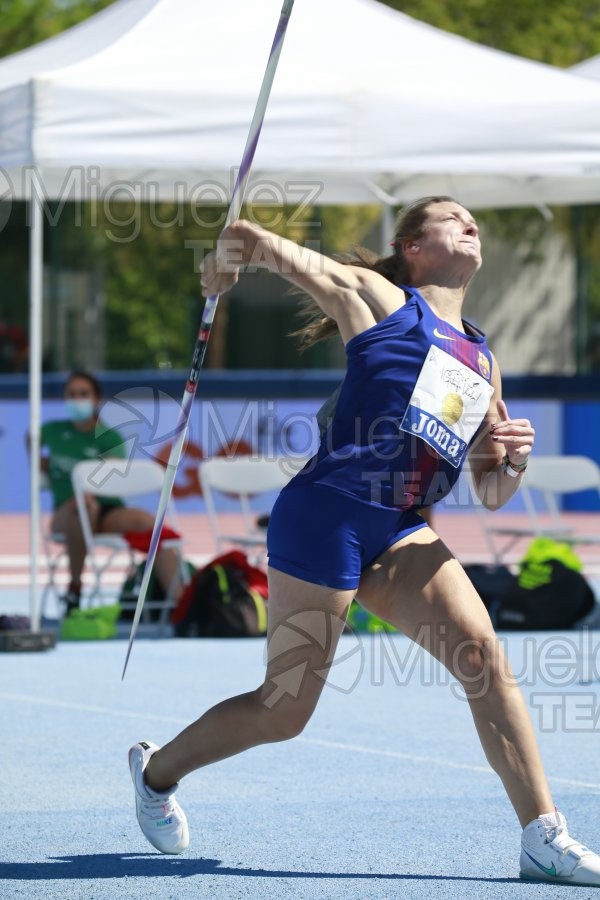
x=160, y=817
x=549, y=853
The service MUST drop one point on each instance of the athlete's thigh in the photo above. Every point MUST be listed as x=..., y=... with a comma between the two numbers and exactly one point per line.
x=420, y=587
x=305, y=622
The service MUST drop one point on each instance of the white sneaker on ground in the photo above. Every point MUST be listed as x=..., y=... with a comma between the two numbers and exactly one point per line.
x=160, y=817
x=549, y=853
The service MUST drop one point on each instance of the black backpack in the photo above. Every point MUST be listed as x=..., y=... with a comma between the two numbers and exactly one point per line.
x=546, y=593
x=155, y=595
x=562, y=601
x=225, y=599
x=493, y=583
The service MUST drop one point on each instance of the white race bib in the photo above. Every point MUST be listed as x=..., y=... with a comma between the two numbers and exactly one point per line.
x=447, y=405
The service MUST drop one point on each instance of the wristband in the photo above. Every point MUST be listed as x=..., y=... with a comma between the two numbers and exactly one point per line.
x=512, y=469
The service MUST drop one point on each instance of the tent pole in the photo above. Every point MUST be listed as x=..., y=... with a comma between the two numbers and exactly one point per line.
x=36, y=251
x=388, y=220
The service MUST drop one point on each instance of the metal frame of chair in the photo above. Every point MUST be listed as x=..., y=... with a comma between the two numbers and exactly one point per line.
x=548, y=478
x=54, y=544
x=243, y=477
x=121, y=478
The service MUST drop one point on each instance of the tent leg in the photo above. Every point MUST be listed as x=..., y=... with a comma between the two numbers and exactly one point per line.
x=36, y=252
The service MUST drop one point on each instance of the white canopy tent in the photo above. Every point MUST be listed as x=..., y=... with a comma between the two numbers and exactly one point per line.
x=589, y=68
x=366, y=100
x=367, y=105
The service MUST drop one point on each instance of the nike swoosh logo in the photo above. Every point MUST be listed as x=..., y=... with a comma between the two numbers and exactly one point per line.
x=548, y=871
x=444, y=337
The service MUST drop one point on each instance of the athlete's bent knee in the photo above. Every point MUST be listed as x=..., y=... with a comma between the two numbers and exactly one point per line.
x=478, y=663
x=288, y=724
x=283, y=718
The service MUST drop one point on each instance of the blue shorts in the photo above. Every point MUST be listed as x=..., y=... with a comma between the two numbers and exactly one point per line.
x=326, y=537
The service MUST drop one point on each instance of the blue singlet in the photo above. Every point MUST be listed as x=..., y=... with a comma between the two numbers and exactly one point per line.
x=415, y=393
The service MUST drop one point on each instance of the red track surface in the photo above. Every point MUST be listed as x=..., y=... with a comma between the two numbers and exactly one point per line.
x=462, y=532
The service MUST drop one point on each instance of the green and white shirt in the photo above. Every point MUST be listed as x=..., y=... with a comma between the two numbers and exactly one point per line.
x=68, y=445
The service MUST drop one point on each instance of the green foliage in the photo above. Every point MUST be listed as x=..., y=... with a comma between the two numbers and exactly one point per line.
x=26, y=22
x=558, y=32
x=151, y=256
x=344, y=226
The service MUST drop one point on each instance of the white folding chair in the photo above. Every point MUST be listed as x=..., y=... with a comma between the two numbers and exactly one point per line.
x=243, y=477
x=123, y=478
x=547, y=480
x=54, y=544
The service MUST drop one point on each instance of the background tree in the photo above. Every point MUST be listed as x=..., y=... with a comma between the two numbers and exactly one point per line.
x=558, y=32
x=26, y=22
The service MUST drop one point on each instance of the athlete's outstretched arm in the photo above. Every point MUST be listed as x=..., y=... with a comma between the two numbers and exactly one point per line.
x=348, y=294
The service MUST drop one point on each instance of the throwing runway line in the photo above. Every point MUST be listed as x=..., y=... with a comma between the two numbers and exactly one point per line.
x=317, y=742
x=430, y=760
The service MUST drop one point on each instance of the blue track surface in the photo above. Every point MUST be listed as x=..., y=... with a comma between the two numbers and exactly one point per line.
x=386, y=794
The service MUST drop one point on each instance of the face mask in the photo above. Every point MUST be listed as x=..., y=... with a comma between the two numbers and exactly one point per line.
x=80, y=410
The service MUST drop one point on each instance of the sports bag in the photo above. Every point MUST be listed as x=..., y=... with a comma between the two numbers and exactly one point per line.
x=493, y=583
x=549, y=592
x=225, y=599
x=155, y=595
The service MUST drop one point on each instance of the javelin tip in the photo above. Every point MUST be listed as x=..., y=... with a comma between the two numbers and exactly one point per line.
x=127, y=655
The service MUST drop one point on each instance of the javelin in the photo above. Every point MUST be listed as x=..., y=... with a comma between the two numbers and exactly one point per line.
x=208, y=315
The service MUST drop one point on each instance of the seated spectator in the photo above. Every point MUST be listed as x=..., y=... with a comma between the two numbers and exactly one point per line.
x=83, y=436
